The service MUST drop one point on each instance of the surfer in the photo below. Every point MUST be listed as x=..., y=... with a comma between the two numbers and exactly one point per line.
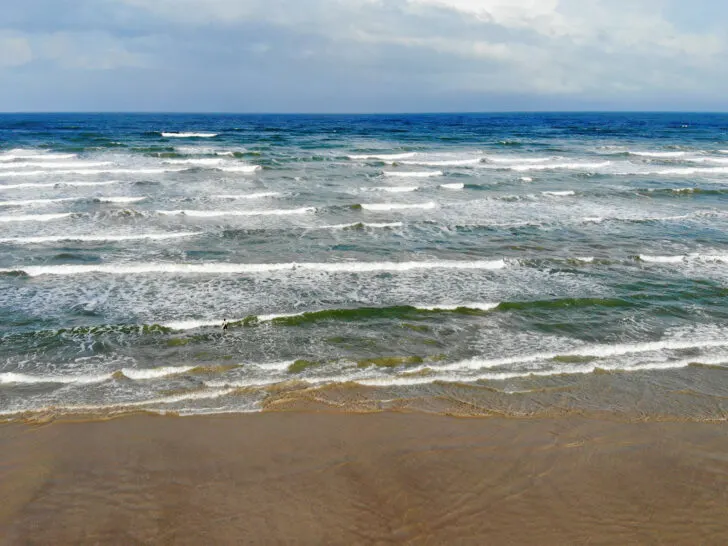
x=224, y=325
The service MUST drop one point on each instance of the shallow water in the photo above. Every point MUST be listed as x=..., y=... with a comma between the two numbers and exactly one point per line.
x=364, y=261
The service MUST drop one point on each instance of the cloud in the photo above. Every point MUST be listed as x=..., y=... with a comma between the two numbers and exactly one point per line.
x=386, y=54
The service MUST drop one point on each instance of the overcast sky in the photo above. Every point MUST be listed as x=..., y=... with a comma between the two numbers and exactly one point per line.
x=363, y=55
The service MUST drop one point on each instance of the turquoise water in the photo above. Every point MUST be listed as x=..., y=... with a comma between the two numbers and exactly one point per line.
x=406, y=259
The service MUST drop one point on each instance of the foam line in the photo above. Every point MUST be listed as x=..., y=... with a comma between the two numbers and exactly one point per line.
x=51, y=165
x=379, y=207
x=359, y=225
x=26, y=202
x=58, y=185
x=14, y=156
x=86, y=172
x=383, y=157
x=393, y=189
x=414, y=174
x=35, y=217
x=188, y=135
x=443, y=163
x=240, y=169
x=215, y=213
x=95, y=238
x=259, y=195
x=454, y=186
x=658, y=154
x=559, y=193
x=231, y=268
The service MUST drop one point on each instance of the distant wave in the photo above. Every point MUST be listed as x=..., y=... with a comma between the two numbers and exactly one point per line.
x=25, y=202
x=119, y=199
x=662, y=259
x=50, y=165
x=684, y=171
x=559, y=193
x=259, y=195
x=202, y=162
x=393, y=189
x=35, y=217
x=188, y=135
x=518, y=159
x=718, y=160
x=23, y=155
x=443, y=163
x=454, y=186
x=425, y=174
x=560, y=166
x=214, y=213
x=57, y=184
x=95, y=238
x=397, y=206
x=86, y=172
x=241, y=169
x=383, y=157
x=343, y=314
x=658, y=154
x=230, y=268
x=360, y=225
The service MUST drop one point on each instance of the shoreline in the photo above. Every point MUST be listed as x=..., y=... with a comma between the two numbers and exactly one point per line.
x=362, y=478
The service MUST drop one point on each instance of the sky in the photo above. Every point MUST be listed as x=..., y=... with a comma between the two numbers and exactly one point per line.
x=363, y=55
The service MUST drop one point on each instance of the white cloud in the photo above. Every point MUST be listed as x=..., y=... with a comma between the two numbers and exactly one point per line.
x=14, y=50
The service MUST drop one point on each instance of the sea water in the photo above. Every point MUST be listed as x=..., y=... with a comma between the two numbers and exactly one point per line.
x=416, y=261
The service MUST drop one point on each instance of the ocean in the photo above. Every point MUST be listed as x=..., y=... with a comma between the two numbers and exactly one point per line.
x=474, y=264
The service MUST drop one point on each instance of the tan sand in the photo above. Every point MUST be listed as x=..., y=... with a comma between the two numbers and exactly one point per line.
x=298, y=478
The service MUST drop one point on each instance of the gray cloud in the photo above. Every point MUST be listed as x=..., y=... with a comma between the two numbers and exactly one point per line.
x=362, y=55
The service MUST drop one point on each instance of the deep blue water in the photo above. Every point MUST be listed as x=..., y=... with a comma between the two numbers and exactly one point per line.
x=407, y=259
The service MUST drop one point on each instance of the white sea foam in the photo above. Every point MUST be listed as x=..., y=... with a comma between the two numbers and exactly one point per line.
x=413, y=174
x=658, y=154
x=684, y=171
x=15, y=155
x=454, y=186
x=86, y=172
x=25, y=202
x=718, y=160
x=21, y=378
x=215, y=213
x=35, y=217
x=443, y=163
x=518, y=159
x=560, y=166
x=57, y=184
x=95, y=238
x=594, y=351
x=206, y=162
x=52, y=165
x=379, y=207
x=526, y=179
x=559, y=193
x=383, y=157
x=393, y=189
x=585, y=259
x=259, y=195
x=241, y=169
x=232, y=268
x=188, y=135
x=154, y=373
x=662, y=259
x=119, y=199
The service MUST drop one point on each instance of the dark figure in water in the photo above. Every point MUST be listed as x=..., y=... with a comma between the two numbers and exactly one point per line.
x=224, y=325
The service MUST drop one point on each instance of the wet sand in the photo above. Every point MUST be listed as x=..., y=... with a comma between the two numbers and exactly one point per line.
x=387, y=478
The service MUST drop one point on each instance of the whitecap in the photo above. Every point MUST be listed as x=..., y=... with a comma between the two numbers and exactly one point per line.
x=404, y=174
x=393, y=189
x=559, y=193
x=658, y=154
x=96, y=238
x=379, y=207
x=215, y=213
x=35, y=217
x=259, y=195
x=233, y=268
x=188, y=135
x=383, y=157
x=139, y=374
x=454, y=186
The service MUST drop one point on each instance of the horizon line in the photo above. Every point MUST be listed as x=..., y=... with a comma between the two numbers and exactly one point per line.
x=363, y=113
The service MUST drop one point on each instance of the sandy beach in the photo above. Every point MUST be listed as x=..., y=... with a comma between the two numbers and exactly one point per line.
x=386, y=478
